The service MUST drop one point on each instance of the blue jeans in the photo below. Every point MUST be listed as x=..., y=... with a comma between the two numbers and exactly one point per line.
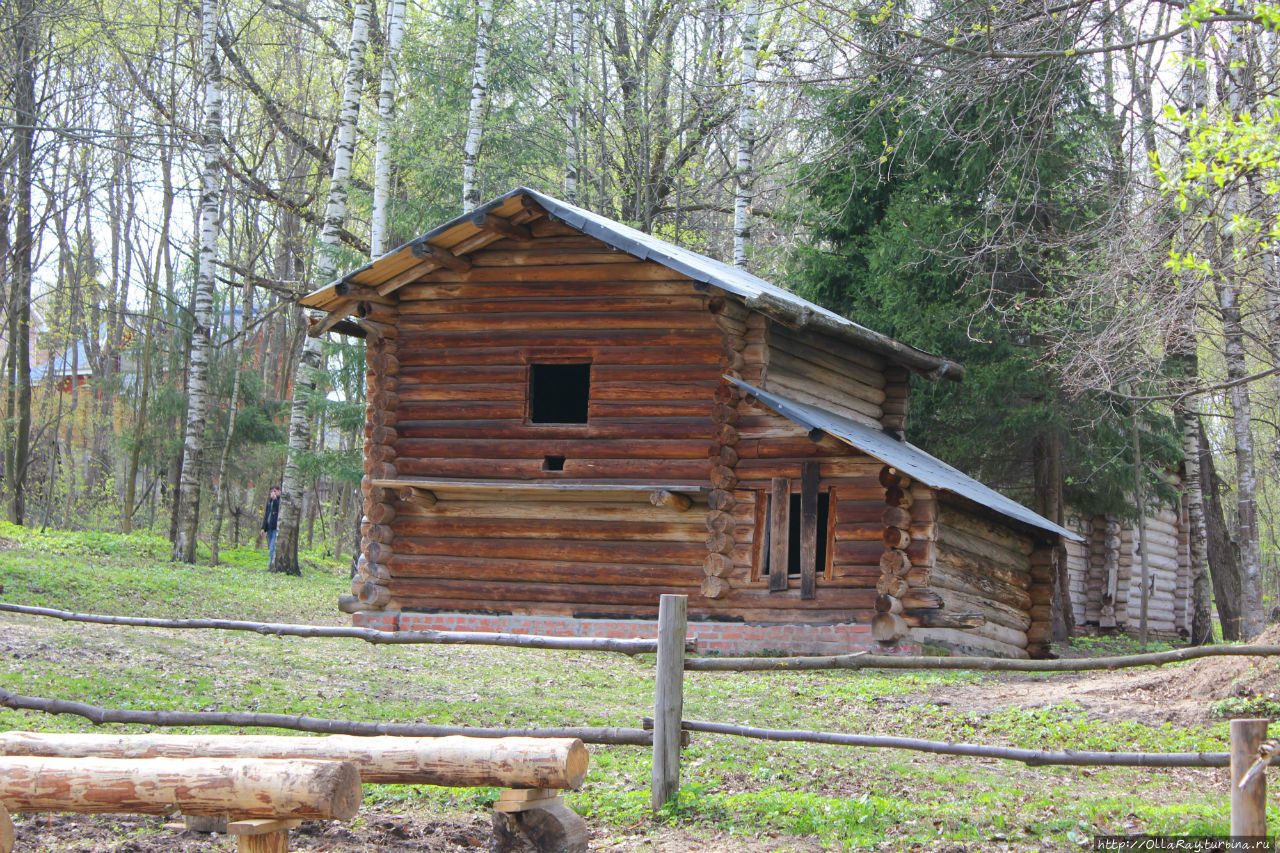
x=271, y=547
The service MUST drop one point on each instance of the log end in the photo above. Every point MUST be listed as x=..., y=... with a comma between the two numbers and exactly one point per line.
x=888, y=627
x=576, y=761
x=340, y=780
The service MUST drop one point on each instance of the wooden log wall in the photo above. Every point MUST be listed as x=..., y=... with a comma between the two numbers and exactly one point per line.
x=985, y=567
x=370, y=584
x=1183, y=592
x=1106, y=572
x=722, y=539
x=821, y=371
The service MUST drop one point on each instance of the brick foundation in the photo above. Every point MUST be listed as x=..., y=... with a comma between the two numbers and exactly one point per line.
x=726, y=638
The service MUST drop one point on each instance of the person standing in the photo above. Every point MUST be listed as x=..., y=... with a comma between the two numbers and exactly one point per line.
x=269, y=521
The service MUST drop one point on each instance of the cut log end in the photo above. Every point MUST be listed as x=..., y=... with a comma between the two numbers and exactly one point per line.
x=888, y=627
x=553, y=828
x=673, y=500
x=713, y=587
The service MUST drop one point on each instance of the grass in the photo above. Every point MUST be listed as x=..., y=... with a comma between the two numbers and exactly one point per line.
x=786, y=793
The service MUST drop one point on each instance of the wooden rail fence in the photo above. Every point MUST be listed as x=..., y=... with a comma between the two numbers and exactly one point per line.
x=668, y=731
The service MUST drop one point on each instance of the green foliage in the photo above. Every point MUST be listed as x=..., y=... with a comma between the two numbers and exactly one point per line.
x=1235, y=707
x=916, y=239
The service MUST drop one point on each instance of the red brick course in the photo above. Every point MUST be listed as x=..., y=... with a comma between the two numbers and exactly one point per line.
x=727, y=638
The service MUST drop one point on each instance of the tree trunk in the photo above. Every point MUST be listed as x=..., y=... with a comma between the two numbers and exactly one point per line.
x=1223, y=552
x=1047, y=474
x=184, y=542
x=310, y=364
x=743, y=175
x=386, y=117
x=573, y=143
x=223, y=493
x=24, y=94
x=479, y=103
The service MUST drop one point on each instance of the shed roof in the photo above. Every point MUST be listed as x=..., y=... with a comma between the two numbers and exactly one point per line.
x=460, y=235
x=904, y=456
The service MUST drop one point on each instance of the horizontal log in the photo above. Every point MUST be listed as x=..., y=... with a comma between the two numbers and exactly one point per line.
x=412, y=325
x=528, y=512
x=433, y=292
x=866, y=384
x=813, y=399
x=996, y=612
x=533, y=303
x=537, y=448
x=641, y=553
x=968, y=639
x=244, y=788
x=616, y=274
x=660, y=470
x=928, y=617
x=693, y=429
x=984, y=528
x=825, y=350
x=674, y=527
x=986, y=550
x=888, y=627
x=794, y=384
x=552, y=337
x=963, y=578
x=454, y=761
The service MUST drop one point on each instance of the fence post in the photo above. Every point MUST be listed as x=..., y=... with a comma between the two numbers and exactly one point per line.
x=1248, y=805
x=668, y=703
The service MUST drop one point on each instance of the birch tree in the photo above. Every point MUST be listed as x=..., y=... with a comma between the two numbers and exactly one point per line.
x=743, y=176
x=184, y=541
x=310, y=365
x=479, y=104
x=386, y=120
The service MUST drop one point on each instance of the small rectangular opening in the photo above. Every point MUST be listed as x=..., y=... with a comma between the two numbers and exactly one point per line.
x=794, y=522
x=553, y=463
x=559, y=393
x=793, y=534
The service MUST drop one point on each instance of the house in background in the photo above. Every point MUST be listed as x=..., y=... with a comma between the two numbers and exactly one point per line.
x=568, y=418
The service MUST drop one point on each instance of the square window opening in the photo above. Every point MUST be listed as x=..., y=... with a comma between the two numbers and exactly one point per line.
x=553, y=463
x=559, y=393
x=793, y=537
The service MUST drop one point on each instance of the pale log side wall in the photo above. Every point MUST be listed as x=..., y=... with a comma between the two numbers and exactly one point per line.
x=984, y=567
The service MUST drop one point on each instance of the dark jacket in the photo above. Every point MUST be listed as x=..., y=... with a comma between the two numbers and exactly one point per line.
x=272, y=515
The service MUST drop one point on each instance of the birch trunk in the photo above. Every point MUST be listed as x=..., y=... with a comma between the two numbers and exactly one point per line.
x=743, y=175
x=1227, y=287
x=479, y=103
x=224, y=488
x=24, y=94
x=184, y=540
x=573, y=147
x=386, y=116
x=310, y=364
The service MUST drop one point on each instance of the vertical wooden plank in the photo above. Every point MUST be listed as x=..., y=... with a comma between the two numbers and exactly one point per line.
x=668, y=701
x=829, y=570
x=779, y=528
x=1248, y=805
x=808, y=529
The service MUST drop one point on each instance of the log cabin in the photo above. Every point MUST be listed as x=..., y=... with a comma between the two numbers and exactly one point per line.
x=568, y=418
x=1105, y=571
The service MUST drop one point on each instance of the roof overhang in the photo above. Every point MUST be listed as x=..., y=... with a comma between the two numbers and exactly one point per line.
x=904, y=456
x=507, y=216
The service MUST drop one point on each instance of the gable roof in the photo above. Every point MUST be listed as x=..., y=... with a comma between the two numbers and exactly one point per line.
x=466, y=233
x=902, y=455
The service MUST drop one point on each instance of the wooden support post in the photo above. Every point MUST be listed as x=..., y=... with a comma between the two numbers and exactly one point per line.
x=808, y=529
x=668, y=704
x=1248, y=805
x=539, y=815
x=6, y=831
x=262, y=835
x=779, y=529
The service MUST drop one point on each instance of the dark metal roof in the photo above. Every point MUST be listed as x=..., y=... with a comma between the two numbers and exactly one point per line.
x=902, y=455
x=755, y=292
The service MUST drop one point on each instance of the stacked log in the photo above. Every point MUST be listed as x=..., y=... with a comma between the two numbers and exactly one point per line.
x=1107, y=612
x=896, y=396
x=1078, y=568
x=1097, y=581
x=1163, y=552
x=1044, y=568
x=1186, y=609
x=888, y=625
x=834, y=376
x=731, y=318
x=369, y=585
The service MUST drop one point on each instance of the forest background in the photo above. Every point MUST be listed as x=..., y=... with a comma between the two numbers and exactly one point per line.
x=1075, y=199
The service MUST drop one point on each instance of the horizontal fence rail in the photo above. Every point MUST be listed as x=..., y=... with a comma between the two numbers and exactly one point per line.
x=369, y=635
x=862, y=660
x=610, y=735
x=1031, y=757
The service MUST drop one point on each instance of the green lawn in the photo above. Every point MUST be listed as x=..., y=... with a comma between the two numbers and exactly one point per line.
x=844, y=798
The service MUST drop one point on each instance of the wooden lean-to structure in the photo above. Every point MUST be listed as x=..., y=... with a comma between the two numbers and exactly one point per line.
x=568, y=418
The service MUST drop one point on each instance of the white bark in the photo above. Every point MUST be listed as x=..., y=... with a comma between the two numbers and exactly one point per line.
x=1228, y=293
x=310, y=365
x=479, y=102
x=573, y=147
x=386, y=116
x=743, y=177
x=184, y=542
